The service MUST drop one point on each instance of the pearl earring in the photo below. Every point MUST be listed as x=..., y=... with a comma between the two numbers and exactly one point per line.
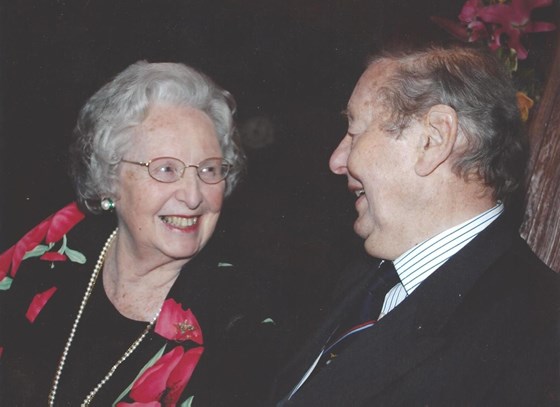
x=107, y=204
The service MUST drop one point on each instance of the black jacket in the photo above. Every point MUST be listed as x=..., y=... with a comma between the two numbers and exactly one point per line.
x=483, y=330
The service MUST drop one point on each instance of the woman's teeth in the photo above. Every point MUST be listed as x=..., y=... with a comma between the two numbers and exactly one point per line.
x=179, y=221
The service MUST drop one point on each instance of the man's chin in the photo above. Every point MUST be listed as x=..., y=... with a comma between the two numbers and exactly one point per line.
x=359, y=229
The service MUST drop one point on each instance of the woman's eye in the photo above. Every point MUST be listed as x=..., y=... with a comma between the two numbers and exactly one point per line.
x=208, y=170
x=166, y=169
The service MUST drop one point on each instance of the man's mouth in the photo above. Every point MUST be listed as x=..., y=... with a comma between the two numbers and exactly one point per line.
x=180, y=221
x=359, y=192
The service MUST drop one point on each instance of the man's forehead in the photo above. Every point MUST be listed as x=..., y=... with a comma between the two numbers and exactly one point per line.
x=377, y=74
x=366, y=92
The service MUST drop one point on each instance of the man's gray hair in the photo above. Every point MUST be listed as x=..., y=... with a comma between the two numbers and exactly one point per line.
x=476, y=84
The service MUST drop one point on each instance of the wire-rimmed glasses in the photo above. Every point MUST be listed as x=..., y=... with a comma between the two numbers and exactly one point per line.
x=169, y=169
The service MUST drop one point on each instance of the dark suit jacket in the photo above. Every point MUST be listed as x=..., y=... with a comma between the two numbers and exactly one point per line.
x=482, y=330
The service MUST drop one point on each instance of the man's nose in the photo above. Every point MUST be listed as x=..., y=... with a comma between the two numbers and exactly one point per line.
x=339, y=157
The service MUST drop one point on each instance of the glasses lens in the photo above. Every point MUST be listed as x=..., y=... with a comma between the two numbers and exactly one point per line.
x=166, y=169
x=213, y=170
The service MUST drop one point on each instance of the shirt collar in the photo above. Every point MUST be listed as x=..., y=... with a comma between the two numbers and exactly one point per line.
x=419, y=262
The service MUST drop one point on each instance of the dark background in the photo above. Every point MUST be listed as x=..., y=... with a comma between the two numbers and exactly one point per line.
x=291, y=65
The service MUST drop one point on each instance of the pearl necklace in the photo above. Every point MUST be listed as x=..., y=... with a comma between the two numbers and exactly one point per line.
x=128, y=352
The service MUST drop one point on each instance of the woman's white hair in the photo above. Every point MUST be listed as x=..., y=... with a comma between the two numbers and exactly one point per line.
x=107, y=121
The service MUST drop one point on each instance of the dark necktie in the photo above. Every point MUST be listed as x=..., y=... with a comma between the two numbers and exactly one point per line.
x=365, y=313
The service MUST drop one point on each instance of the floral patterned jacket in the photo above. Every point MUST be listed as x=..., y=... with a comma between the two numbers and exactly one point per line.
x=211, y=345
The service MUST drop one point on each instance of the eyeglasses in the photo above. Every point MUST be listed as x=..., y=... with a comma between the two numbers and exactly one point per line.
x=169, y=169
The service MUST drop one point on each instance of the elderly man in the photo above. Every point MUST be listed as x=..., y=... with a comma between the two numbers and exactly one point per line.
x=434, y=153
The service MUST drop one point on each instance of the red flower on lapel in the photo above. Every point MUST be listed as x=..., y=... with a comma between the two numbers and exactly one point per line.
x=167, y=378
x=177, y=324
x=51, y=230
x=29, y=241
x=38, y=303
x=62, y=221
x=5, y=261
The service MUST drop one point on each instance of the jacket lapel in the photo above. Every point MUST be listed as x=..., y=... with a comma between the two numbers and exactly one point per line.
x=356, y=278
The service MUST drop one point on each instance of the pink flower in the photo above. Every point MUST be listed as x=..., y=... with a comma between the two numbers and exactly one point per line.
x=514, y=21
x=470, y=29
x=38, y=303
x=178, y=325
x=167, y=378
x=511, y=20
x=469, y=12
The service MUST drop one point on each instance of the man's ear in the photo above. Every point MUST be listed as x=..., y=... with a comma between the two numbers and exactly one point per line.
x=438, y=138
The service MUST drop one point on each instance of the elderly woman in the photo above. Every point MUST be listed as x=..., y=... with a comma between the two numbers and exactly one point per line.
x=143, y=312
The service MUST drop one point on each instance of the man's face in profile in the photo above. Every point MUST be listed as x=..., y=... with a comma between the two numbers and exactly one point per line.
x=379, y=164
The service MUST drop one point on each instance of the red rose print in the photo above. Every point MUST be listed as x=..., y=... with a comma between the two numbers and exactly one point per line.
x=51, y=229
x=167, y=378
x=5, y=261
x=28, y=242
x=38, y=303
x=181, y=375
x=62, y=221
x=178, y=325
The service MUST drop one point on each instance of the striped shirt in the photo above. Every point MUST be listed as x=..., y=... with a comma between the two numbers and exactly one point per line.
x=418, y=263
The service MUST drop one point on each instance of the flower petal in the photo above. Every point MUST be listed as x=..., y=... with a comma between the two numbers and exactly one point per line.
x=38, y=303
x=457, y=30
x=27, y=243
x=151, y=385
x=180, y=376
x=177, y=324
x=5, y=261
x=539, y=26
x=524, y=103
x=62, y=221
x=53, y=256
x=469, y=11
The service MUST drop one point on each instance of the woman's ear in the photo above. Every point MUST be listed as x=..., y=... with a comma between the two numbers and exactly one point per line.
x=438, y=138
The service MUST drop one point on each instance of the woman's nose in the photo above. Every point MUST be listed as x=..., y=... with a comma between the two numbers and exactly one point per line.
x=189, y=190
x=339, y=157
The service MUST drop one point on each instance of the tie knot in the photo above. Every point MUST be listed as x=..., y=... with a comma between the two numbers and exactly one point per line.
x=386, y=277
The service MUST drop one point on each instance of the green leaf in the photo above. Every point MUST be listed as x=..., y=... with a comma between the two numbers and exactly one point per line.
x=221, y=264
x=75, y=255
x=147, y=366
x=187, y=402
x=63, y=247
x=268, y=321
x=38, y=251
x=6, y=283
